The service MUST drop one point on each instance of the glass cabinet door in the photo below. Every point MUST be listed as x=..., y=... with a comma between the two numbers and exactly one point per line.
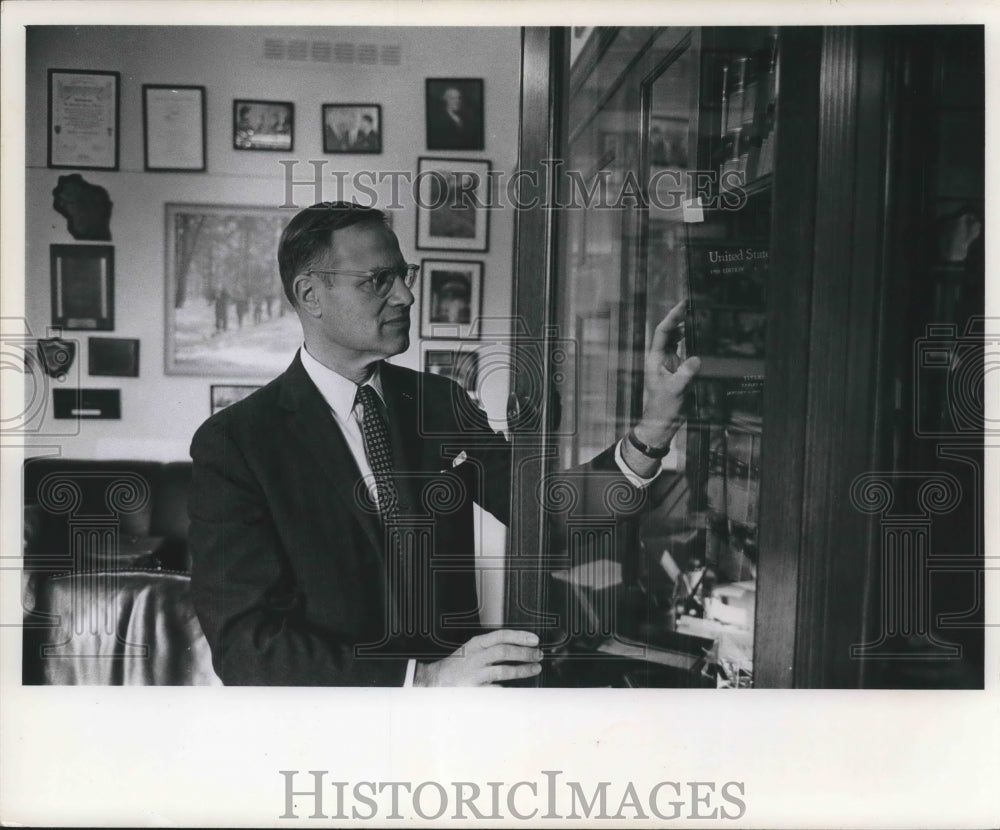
x=668, y=151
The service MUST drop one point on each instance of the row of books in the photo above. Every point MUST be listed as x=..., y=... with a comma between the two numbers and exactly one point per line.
x=748, y=111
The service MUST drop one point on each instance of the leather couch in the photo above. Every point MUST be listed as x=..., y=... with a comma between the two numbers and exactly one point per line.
x=106, y=584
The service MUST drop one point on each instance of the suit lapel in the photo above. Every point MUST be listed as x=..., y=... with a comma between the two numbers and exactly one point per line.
x=319, y=440
x=400, y=394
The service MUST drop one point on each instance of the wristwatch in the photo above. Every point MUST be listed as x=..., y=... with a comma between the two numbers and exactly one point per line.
x=645, y=449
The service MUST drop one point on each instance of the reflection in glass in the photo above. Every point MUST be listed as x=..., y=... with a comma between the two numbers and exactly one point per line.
x=658, y=108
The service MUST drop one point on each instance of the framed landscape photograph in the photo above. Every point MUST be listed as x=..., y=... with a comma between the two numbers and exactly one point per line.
x=451, y=299
x=173, y=128
x=222, y=395
x=113, y=356
x=263, y=125
x=83, y=119
x=452, y=204
x=352, y=128
x=226, y=311
x=454, y=113
x=83, y=281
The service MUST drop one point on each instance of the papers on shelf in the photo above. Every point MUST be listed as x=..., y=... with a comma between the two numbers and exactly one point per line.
x=596, y=575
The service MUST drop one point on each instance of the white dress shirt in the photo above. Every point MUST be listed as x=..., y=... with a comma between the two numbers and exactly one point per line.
x=340, y=394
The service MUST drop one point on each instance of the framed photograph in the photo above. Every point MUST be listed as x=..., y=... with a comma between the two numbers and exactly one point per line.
x=352, y=128
x=113, y=356
x=173, y=128
x=223, y=395
x=452, y=204
x=83, y=119
x=450, y=299
x=226, y=311
x=459, y=364
x=263, y=125
x=83, y=282
x=454, y=108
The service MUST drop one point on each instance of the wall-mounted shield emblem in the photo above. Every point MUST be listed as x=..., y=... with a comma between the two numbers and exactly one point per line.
x=57, y=355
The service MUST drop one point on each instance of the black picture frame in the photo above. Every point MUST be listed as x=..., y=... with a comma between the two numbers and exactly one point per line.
x=184, y=150
x=83, y=146
x=83, y=283
x=451, y=299
x=222, y=395
x=443, y=224
x=113, y=357
x=454, y=112
x=460, y=363
x=263, y=125
x=343, y=129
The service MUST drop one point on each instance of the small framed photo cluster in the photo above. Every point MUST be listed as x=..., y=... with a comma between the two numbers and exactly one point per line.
x=453, y=202
x=453, y=195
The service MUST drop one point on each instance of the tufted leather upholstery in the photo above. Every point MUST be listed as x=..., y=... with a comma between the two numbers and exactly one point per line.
x=106, y=592
x=140, y=498
x=113, y=628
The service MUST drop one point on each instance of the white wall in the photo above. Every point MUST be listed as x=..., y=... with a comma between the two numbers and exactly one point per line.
x=159, y=411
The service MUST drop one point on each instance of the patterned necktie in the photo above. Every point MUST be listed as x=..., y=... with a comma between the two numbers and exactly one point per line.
x=378, y=449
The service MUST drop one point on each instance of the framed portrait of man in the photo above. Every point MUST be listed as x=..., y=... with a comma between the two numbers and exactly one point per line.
x=454, y=108
x=452, y=204
x=451, y=299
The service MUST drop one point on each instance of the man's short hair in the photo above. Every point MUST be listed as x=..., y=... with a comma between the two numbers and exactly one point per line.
x=310, y=234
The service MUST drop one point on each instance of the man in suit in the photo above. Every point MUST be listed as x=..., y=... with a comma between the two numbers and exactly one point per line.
x=331, y=511
x=367, y=139
x=336, y=133
x=452, y=125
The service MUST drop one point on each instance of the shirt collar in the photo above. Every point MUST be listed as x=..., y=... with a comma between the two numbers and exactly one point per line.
x=338, y=392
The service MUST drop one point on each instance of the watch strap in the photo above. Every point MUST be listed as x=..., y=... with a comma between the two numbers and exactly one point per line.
x=646, y=449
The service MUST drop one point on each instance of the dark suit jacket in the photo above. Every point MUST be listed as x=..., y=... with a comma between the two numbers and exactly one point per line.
x=444, y=134
x=295, y=579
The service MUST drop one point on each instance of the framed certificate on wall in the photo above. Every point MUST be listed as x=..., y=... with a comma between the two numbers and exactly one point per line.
x=173, y=128
x=83, y=119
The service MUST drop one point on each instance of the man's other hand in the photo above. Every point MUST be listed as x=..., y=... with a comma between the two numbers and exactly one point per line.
x=666, y=378
x=485, y=660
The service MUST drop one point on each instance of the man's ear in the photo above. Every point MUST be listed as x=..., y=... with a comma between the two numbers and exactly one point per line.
x=304, y=291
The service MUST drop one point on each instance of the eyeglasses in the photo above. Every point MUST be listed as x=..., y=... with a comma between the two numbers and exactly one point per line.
x=380, y=280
